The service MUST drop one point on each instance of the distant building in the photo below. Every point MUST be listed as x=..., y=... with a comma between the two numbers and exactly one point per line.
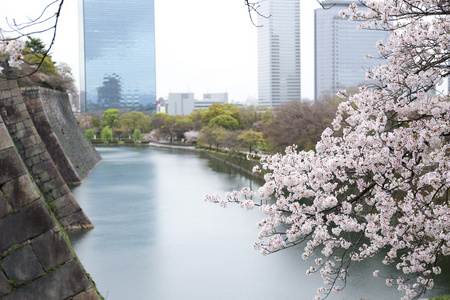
x=340, y=50
x=161, y=106
x=206, y=103
x=210, y=99
x=278, y=52
x=185, y=103
x=180, y=103
x=216, y=96
x=118, y=54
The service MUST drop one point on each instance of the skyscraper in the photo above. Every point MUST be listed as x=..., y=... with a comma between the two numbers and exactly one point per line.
x=278, y=52
x=340, y=50
x=118, y=54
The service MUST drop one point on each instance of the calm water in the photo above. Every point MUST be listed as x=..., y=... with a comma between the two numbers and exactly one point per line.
x=155, y=237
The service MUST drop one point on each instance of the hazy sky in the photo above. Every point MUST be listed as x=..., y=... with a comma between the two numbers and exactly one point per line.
x=201, y=45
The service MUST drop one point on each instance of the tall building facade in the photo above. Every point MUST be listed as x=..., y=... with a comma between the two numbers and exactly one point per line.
x=181, y=103
x=278, y=52
x=340, y=50
x=118, y=66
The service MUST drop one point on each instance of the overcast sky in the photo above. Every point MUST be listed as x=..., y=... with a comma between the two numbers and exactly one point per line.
x=201, y=45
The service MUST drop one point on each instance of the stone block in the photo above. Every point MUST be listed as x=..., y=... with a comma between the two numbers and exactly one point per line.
x=27, y=131
x=29, y=222
x=13, y=100
x=86, y=224
x=18, y=117
x=74, y=218
x=20, y=191
x=20, y=126
x=66, y=281
x=53, y=173
x=15, y=92
x=43, y=177
x=10, y=165
x=67, y=210
x=51, y=249
x=63, y=201
x=5, y=288
x=56, y=194
x=5, y=140
x=5, y=208
x=6, y=94
x=90, y=294
x=29, y=141
x=52, y=184
x=45, y=156
x=22, y=265
x=28, y=123
x=34, y=160
x=41, y=167
x=34, y=150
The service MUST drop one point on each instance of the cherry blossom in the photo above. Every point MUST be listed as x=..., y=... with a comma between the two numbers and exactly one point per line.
x=12, y=49
x=379, y=178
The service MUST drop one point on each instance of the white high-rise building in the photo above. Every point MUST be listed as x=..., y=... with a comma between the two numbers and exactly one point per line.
x=180, y=103
x=340, y=50
x=278, y=52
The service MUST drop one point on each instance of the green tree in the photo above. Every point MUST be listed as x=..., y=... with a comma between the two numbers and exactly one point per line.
x=167, y=128
x=219, y=135
x=35, y=45
x=205, y=137
x=226, y=121
x=221, y=109
x=95, y=122
x=196, y=117
x=234, y=111
x=47, y=65
x=110, y=116
x=212, y=112
x=157, y=120
x=251, y=115
x=137, y=134
x=181, y=126
x=134, y=120
x=251, y=139
x=106, y=133
x=90, y=133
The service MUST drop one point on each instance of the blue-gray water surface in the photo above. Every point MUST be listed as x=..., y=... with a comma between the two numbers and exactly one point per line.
x=155, y=237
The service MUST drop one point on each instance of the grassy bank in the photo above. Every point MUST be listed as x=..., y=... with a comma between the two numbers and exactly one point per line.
x=236, y=159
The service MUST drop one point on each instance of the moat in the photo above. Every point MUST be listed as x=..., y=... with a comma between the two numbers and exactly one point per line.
x=155, y=237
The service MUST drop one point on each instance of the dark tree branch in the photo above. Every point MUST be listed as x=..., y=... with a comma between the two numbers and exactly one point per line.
x=252, y=7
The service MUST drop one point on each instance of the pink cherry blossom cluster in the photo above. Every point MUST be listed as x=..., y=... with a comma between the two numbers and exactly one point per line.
x=379, y=178
x=12, y=49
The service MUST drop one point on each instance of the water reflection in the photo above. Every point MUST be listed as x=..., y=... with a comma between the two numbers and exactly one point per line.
x=154, y=237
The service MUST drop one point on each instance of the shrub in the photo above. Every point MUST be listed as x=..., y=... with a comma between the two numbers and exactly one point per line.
x=89, y=133
x=137, y=134
x=107, y=133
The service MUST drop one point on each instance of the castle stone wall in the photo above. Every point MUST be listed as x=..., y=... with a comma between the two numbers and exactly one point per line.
x=33, y=152
x=66, y=143
x=36, y=261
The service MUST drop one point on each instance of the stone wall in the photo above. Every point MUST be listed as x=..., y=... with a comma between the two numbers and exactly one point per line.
x=36, y=261
x=66, y=143
x=33, y=152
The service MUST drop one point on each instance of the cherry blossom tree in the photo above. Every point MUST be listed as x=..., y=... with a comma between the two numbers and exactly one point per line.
x=191, y=136
x=379, y=178
x=11, y=34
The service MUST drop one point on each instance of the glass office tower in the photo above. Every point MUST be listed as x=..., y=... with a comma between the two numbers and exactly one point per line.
x=278, y=52
x=118, y=61
x=340, y=50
